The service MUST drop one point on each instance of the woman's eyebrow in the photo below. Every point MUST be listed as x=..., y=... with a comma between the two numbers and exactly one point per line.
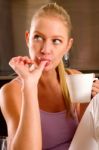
x=53, y=36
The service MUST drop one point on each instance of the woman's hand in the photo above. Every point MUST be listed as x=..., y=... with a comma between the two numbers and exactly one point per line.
x=26, y=68
x=95, y=87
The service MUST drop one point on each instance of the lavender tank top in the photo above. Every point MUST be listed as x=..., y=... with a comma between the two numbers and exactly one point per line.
x=57, y=130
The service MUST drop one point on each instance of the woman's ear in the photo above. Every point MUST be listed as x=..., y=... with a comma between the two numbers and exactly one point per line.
x=69, y=45
x=27, y=38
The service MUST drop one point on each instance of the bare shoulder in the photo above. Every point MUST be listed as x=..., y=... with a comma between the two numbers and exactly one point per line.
x=10, y=98
x=72, y=71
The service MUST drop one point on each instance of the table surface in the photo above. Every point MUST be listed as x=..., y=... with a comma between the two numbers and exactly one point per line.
x=6, y=77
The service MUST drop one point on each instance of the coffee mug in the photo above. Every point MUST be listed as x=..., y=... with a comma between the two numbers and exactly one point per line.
x=80, y=86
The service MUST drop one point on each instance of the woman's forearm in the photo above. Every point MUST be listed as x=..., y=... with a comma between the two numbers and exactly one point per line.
x=28, y=135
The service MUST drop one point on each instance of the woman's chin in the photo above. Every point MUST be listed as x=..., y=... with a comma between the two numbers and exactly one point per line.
x=47, y=68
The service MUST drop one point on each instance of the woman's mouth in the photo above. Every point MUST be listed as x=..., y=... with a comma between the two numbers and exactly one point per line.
x=47, y=63
x=45, y=59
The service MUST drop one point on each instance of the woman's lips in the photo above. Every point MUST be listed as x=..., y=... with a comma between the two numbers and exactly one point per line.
x=48, y=60
x=47, y=63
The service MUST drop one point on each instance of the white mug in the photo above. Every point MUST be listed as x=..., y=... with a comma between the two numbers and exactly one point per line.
x=80, y=86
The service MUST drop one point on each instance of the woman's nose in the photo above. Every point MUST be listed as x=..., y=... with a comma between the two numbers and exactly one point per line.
x=46, y=47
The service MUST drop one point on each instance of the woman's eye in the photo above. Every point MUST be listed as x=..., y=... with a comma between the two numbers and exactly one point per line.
x=38, y=38
x=57, y=41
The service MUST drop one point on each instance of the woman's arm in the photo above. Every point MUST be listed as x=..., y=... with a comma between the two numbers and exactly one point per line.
x=80, y=109
x=30, y=116
x=26, y=133
x=22, y=117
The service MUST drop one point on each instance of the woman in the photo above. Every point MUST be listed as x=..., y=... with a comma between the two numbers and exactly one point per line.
x=36, y=105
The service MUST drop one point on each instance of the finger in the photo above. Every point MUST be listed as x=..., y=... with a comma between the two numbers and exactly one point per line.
x=26, y=59
x=32, y=67
x=96, y=84
x=17, y=63
x=15, y=60
x=12, y=62
x=97, y=81
x=42, y=65
x=93, y=93
x=95, y=89
x=19, y=60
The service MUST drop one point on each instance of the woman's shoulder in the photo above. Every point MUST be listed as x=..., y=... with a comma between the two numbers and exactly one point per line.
x=72, y=71
x=10, y=94
x=9, y=87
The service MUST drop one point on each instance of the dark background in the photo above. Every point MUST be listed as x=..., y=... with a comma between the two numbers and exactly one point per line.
x=84, y=54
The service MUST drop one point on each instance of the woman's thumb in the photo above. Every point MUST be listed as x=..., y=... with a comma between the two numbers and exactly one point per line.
x=42, y=65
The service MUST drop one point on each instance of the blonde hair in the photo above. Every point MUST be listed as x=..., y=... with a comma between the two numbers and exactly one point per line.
x=64, y=88
x=54, y=10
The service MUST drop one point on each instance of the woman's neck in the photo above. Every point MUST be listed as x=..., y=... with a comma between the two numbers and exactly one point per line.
x=48, y=78
x=49, y=92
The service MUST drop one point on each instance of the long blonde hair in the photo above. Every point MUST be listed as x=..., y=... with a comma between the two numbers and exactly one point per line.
x=54, y=10
x=64, y=88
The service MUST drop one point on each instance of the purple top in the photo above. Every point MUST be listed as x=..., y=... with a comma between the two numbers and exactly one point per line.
x=57, y=130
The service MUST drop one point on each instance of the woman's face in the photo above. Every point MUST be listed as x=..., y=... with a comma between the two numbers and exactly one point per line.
x=48, y=41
